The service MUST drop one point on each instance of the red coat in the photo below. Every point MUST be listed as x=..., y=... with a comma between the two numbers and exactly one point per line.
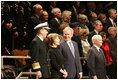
x=106, y=50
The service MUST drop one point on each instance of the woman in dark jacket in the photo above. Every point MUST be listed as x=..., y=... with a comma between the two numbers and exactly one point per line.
x=57, y=61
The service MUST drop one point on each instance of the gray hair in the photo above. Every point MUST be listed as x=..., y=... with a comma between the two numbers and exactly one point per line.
x=96, y=23
x=95, y=38
x=110, y=11
x=81, y=17
x=36, y=6
x=54, y=10
x=68, y=28
x=110, y=29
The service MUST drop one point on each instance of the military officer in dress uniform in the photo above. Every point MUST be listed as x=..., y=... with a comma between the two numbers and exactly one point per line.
x=39, y=55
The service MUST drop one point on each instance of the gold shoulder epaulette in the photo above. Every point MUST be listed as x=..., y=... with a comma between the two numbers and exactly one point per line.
x=14, y=28
x=36, y=65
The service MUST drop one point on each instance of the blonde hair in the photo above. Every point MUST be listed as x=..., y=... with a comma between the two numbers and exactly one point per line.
x=82, y=31
x=66, y=16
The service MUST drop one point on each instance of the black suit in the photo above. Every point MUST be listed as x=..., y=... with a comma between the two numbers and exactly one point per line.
x=72, y=65
x=108, y=23
x=54, y=25
x=90, y=26
x=57, y=62
x=91, y=34
x=39, y=54
x=96, y=63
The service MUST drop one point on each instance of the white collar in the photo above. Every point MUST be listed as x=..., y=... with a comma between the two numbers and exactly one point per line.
x=57, y=19
x=68, y=41
x=96, y=31
x=37, y=16
x=40, y=38
x=111, y=20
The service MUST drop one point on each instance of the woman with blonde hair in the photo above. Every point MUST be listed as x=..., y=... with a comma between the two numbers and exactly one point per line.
x=66, y=16
x=84, y=41
x=58, y=70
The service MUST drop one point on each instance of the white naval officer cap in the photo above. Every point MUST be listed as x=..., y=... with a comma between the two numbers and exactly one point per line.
x=42, y=26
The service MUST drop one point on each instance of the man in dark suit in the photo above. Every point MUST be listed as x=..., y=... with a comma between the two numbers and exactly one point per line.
x=69, y=50
x=112, y=41
x=96, y=59
x=98, y=27
x=39, y=56
x=55, y=22
x=112, y=16
x=33, y=21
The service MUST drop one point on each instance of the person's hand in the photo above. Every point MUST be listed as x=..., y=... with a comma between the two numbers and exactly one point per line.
x=65, y=74
x=8, y=25
x=25, y=33
x=108, y=64
x=39, y=74
x=94, y=77
x=16, y=34
x=84, y=62
x=80, y=75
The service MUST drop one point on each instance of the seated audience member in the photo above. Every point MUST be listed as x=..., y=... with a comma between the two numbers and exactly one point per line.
x=44, y=17
x=105, y=47
x=85, y=46
x=96, y=59
x=56, y=21
x=58, y=70
x=112, y=41
x=84, y=41
x=102, y=17
x=83, y=19
x=66, y=16
x=98, y=27
x=112, y=16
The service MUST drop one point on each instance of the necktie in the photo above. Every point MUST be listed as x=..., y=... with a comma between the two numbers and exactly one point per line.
x=72, y=49
x=114, y=24
x=101, y=53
